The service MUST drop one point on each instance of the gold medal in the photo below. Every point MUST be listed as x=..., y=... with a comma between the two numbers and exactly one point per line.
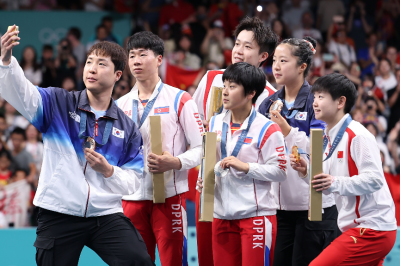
x=295, y=152
x=89, y=143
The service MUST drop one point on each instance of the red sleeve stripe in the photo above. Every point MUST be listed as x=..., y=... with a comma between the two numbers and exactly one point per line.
x=353, y=170
x=185, y=97
x=270, y=90
x=210, y=78
x=271, y=129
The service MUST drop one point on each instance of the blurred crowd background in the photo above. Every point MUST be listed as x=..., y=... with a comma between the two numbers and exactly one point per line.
x=356, y=38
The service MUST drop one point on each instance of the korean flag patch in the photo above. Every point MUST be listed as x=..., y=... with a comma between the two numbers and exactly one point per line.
x=301, y=116
x=118, y=133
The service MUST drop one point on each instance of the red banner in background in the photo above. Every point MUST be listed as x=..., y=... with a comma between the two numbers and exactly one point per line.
x=179, y=77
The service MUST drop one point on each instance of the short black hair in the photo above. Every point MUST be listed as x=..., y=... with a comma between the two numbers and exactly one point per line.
x=302, y=50
x=250, y=77
x=264, y=36
x=106, y=18
x=146, y=40
x=19, y=131
x=47, y=47
x=117, y=53
x=337, y=85
x=76, y=32
x=5, y=153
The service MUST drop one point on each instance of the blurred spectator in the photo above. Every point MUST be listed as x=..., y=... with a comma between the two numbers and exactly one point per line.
x=368, y=57
x=18, y=175
x=43, y=5
x=342, y=49
x=292, y=15
x=354, y=74
x=371, y=115
x=394, y=101
x=21, y=158
x=30, y=66
x=393, y=145
x=65, y=62
x=5, y=163
x=327, y=9
x=357, y=114
x=68, y=84
x=94, y=5
x=177, y=11
x=278, y=26
x=227, y=12
x=34, y=147
x=108, y=23
x=386, y=80
x=190, y=60
x=211, y=65
x=101, y=35
x=120, y=89
x=270, y=11
x=14, y=4
x=3, y=128
x=49, y=73
x=306, y=28
x=357, y=25
x=78, y=49
x=215, y=44
x=373, y=129
x=391, y=54
x=386, y=13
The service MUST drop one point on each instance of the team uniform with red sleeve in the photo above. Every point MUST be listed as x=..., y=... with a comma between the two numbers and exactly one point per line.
x=165, y=225
x=365, y=206
x=202, y=97
x=244, y=225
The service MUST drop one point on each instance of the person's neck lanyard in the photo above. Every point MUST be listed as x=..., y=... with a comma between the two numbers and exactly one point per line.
x=338, y=138
x=106, y=133
x=285, y=111
x=241, y=139
x=147, y=109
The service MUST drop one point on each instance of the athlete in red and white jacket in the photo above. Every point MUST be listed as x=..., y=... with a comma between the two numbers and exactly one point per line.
x=161, y=224
x=202, y=96
x=353, y=174
x=254, y=44
x=180, y=124
x=239, y=195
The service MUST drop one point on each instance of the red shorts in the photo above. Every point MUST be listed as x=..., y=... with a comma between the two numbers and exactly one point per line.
x=204, y=238
x=249, y=242
x=357, y=246
x=164, y=224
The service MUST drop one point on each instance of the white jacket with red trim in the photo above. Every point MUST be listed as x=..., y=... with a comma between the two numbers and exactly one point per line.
x=180, y=125
x=361, y=193
x=239, y=195
x=202, y=96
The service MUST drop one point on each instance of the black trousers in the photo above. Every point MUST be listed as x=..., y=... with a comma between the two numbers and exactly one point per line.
x=299, y=241
x=61, y=238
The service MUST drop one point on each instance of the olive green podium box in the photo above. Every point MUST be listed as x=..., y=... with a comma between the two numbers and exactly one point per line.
x=208, y=161
x=316, y=155
x=156, y=148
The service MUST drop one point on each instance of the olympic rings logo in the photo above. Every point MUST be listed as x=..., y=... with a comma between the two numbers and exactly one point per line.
x=48, y=35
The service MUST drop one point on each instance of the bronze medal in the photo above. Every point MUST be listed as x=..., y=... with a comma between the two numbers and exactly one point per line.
x=89, y=143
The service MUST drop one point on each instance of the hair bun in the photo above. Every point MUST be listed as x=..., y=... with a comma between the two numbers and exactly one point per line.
x=311, y=40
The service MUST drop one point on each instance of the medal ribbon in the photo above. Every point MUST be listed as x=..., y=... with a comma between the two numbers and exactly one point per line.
x=338, y=138
x=147, y=109
x=82, y=128
x=241, y=139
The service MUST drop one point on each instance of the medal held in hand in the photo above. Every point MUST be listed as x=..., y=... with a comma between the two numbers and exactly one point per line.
x=295, y=152
x=89, y=143
x=276, y=106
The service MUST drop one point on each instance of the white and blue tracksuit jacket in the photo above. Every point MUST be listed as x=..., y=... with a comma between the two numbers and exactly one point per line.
x=63, y=186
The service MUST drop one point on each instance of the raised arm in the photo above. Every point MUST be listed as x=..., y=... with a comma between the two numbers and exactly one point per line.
x=14, y=87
